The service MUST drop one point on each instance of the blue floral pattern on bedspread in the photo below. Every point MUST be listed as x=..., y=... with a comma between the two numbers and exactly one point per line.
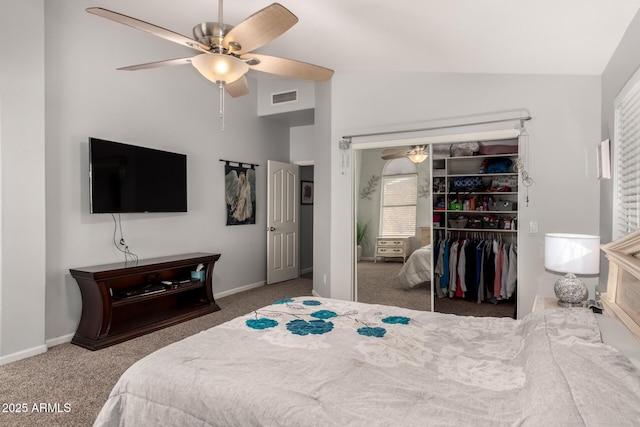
x=324, y=314
x=396, y=320
x=261, y=323
x=313, y=327
x=376, y=332
x=307, y=322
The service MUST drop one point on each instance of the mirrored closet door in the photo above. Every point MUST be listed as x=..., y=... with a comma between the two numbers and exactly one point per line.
x=393, y=227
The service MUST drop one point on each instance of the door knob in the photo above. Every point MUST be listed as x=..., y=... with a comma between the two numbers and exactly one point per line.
x=271, y=229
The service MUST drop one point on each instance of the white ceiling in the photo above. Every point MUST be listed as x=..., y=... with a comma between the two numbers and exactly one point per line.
x=467, y=36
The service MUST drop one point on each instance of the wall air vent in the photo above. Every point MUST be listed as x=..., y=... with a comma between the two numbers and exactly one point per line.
x=284, y=97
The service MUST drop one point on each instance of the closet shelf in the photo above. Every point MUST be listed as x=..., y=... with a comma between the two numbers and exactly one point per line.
x=459, y=175
x=478, y=212
x=478, y=230
x=452, y=202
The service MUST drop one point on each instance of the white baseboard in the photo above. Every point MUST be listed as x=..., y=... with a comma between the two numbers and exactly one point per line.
x=315, y=294
x=52, y=342
x=34, y=351
x=306, y=270
x=240, y=289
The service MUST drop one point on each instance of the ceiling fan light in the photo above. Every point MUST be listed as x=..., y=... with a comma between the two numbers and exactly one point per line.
x=417, y=157
x=218, y=67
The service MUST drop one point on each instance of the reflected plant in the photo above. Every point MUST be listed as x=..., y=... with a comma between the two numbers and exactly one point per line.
x=361, y=232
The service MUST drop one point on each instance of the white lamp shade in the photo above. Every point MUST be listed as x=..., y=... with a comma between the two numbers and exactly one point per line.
x=220, y=68
x=572, y=253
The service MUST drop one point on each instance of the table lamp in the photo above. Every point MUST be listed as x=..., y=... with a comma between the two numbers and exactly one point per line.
x=572, y=254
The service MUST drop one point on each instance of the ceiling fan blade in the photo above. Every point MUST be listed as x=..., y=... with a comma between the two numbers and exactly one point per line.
x=287, y=67
x=168, y=62
x=259, y=29
x=402, y=151
x=149, y=28
x=393, y=156
x=237, y=88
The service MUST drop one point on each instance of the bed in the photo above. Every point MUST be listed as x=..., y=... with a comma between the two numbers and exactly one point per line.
x=417, y=269
x=323, y=362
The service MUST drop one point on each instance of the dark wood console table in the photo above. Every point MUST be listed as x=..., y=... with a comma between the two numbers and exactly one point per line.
x=108, y=317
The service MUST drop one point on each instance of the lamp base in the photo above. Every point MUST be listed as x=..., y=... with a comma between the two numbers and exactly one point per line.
x=570, y=304
x=571, y=291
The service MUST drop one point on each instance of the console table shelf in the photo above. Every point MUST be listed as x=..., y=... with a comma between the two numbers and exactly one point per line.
x=108, y=319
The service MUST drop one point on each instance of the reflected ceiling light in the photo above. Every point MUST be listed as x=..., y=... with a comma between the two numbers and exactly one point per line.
x=418, y=154
x=417, y=157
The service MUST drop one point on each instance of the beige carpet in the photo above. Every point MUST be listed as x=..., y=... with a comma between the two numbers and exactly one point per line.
x=378, y=284
x=82, y=379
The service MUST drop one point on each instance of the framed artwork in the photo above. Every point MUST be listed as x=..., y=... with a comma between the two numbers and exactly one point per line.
x=604, y=160
x=306, y=192
x=240, y=194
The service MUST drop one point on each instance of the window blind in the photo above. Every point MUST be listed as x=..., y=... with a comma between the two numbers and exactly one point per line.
x=627, y=159
x=398, y=211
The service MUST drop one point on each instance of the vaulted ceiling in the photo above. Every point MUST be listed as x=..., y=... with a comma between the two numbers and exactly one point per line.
x=466, y=36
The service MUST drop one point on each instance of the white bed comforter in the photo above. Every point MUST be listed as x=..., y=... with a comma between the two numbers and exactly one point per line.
x=319, y=362
x=417, y=269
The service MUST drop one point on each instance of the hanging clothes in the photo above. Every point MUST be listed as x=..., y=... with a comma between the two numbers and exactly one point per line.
x=512, y=277
x=477, y=269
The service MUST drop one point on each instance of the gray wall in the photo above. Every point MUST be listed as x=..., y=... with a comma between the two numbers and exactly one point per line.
x=22, y=180
x=369, y=164
x=171, y=108
x=623, y=64
x=322, y=186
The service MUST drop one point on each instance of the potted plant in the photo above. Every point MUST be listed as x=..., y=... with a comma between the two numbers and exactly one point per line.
x=361, y=232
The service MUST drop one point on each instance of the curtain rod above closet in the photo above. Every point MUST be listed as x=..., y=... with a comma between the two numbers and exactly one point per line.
x=485, y=122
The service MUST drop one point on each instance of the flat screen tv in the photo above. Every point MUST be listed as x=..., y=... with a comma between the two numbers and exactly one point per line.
x=127, y=178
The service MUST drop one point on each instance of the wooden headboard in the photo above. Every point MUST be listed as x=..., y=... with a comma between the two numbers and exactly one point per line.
x=425, y=237
x=623, y=284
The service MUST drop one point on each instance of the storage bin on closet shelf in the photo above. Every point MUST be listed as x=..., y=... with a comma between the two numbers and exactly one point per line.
x=458, y=223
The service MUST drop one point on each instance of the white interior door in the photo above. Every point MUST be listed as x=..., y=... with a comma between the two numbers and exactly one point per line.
x=282, y=221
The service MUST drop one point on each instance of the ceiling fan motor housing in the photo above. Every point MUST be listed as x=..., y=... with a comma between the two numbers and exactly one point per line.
x=212, y=33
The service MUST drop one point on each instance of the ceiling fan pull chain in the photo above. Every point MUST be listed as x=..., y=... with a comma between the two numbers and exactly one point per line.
x=221, y=115
x=220, y=20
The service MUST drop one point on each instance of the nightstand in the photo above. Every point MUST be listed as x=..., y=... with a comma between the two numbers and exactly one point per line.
x=544, y=303
x=392, y=246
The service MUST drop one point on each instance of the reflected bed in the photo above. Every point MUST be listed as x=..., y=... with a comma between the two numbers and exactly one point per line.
x=417, y=269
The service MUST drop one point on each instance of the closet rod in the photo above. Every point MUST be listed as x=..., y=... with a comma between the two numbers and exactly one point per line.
x=486, y=122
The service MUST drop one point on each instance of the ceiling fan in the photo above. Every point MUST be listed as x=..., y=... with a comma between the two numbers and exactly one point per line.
x=225, y=52
x=417, y=153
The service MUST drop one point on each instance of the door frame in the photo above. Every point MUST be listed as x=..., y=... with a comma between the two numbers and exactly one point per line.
x=397, y=140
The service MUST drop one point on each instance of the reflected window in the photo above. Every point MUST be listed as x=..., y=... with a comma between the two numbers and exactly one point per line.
x=398, y=198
